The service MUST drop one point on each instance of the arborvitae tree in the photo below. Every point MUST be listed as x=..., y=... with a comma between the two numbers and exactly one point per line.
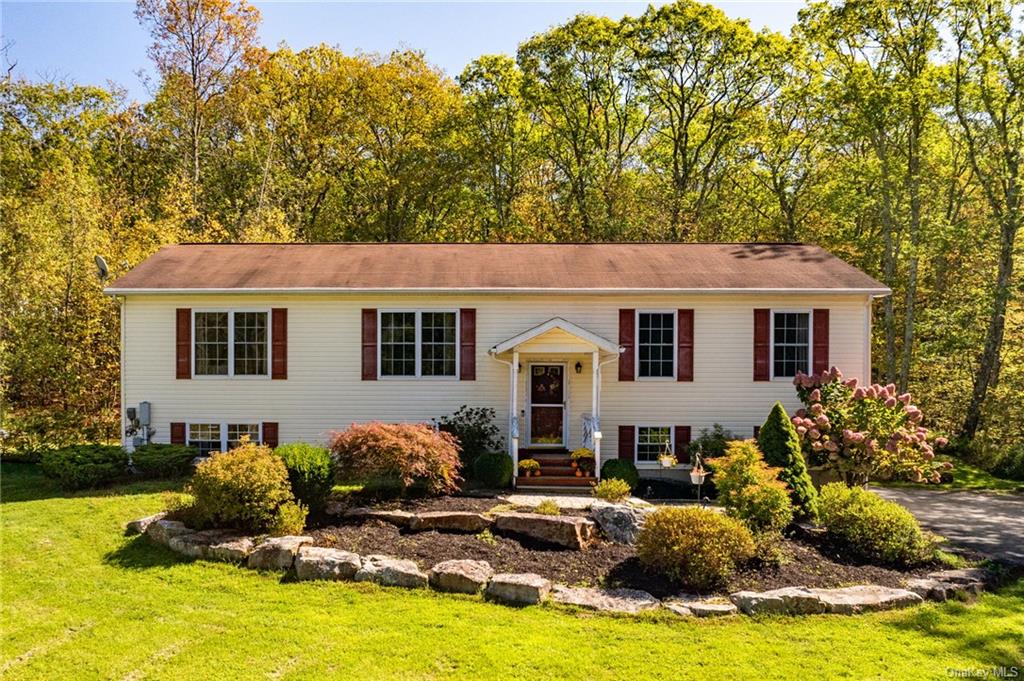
x=780, y=444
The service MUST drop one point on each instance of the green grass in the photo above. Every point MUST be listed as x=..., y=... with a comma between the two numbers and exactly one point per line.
x=966, y=477
x=80, y=600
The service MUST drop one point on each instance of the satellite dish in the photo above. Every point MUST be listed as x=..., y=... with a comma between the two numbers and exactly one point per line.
x=101, y=267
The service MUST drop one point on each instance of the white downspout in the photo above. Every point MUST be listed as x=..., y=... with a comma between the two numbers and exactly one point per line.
x=123, y=303
x=513, y=429
x=598, y=434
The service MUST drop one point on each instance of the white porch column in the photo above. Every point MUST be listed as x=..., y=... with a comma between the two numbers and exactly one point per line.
x=513, y=432
x=595, y=390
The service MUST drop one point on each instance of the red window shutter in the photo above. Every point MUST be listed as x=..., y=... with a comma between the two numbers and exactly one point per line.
x=370, y=344
x=270, y=433
x=183, y=343
x=762, y=329
x=627, y=334
x=757, y=431
x=467, y=344
x=627, y=442
x=684, y=361
x=279, y=348
x=682, y=441
x=819, y=362
x=177, y=433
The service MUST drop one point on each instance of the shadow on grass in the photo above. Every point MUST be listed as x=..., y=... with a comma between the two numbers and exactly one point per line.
x=139, y=553
x=26, y=482
x=963, y=626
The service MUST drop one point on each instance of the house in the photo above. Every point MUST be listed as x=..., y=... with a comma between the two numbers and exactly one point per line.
x=627, y=348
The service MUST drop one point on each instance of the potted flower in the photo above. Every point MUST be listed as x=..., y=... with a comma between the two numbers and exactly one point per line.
x=583, y=461
x=667, y=459
x=528, y=467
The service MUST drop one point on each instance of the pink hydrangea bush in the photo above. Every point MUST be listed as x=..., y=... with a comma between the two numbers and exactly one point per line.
x=409, y=453
x=865, y=432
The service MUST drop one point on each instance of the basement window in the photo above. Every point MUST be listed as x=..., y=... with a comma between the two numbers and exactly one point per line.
x=221, y=437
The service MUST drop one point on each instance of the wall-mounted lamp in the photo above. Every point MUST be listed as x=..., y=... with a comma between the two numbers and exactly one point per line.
x=579, y=367
x=520, y=367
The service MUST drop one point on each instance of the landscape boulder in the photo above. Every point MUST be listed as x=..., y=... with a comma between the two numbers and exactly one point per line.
x=621, y=523
x=938, y=590
x=572, y=532
x=161, y=531
x=388, y=571
x=316, y=562
x=607, y=600
x=277, y=553
x=518, y=589
x=222, y=545
x=461, y=576
x=450, y=521
x=691, y=605
x=851, y=600
x=791, y=600
x=139, y=526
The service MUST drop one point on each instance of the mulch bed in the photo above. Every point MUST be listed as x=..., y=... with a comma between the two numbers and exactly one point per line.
x=810, y=562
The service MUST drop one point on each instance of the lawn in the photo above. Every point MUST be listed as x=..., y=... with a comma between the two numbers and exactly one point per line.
x=80, y=600
x=967, y=477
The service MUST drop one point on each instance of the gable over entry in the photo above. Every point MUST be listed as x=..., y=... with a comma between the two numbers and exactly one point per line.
x=557, y=336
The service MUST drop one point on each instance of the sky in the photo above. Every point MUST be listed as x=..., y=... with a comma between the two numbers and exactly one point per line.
x=94, y=43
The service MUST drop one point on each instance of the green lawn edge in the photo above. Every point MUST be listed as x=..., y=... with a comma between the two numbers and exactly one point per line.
x=81, y=600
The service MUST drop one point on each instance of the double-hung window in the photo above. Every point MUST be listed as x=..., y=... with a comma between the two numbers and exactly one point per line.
x=791, y=343
x=656, y=344
x=220, y=437
x=418, y=343
x=231, y=343
x=652, y=442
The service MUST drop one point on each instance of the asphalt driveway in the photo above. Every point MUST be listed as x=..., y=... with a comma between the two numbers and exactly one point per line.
x=989, y=523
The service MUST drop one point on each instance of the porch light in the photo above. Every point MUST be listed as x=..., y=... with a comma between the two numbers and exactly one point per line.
x=579, y=367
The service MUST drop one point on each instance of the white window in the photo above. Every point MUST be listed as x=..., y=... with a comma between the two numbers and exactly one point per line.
x=220, y=437
x=791, y=343
x=652, y=442
x=205, y=437
x=418, y=343
x=231, y=343
x=656, y=344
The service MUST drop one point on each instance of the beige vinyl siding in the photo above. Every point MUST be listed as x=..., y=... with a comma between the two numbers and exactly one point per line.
x=324, y=392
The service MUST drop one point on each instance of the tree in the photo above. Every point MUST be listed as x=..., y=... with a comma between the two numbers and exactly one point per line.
x=502, y=147
x=988, y=100
x=197, y=44
x=780, y=444
x=580, y=84
x=704, y=75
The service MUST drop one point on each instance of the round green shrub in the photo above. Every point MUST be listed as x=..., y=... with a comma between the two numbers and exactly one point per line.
x=620, y=469
x=1011, y=464
x=750, y=490
x=780, y=444
x=878, y=530
x=163, y=461
x=309, y=473
x=612, y=489
x=84, y=466
x=493, y=469
x=245, y=489
x=694, y=546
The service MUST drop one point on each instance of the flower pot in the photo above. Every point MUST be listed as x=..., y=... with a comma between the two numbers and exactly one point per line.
x=579, y=473
x=574, y=464
x=697, y=478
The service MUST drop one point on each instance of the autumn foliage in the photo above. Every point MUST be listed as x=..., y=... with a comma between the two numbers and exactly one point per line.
x=405, y=452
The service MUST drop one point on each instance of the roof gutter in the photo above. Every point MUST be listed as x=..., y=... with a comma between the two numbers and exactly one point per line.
x=121, y=291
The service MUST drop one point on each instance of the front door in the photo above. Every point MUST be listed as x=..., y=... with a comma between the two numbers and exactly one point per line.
x=547, y=405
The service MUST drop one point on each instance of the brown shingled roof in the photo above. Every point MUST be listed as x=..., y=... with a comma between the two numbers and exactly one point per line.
x=494, y=267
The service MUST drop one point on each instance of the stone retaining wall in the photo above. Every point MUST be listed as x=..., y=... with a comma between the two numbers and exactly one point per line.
x=475, y=577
